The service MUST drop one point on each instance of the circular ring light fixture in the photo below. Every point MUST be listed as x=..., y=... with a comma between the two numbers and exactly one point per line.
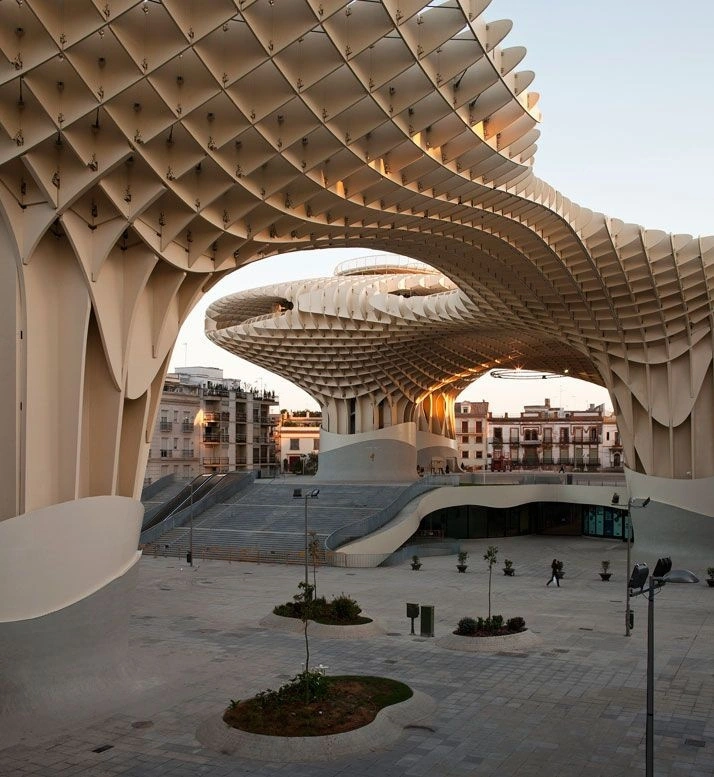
x=517, y=374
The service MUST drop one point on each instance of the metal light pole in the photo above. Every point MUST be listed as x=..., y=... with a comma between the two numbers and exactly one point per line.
x=310, y=495
x=649, y=729
x=190, y=530
x=628, y=529
x=628, y=519
x=306, y=566
x=655, y=582
x=199, y=422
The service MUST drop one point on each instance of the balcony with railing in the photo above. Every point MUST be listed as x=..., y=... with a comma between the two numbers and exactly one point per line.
x=165, y=426
x=186, y=427
x=219, y=461
x=211, y=392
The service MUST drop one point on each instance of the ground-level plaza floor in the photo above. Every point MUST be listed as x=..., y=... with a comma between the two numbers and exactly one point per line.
x=572, y=703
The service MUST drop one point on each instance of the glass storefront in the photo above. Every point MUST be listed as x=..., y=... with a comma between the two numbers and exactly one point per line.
x=479, y=522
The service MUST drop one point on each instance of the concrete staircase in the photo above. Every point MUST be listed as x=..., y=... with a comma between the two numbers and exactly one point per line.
x=266, y=521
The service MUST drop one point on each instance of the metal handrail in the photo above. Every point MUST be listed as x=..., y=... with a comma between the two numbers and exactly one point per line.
x=372, y=523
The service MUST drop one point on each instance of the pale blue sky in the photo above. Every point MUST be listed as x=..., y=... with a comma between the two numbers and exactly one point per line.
x=627, y=120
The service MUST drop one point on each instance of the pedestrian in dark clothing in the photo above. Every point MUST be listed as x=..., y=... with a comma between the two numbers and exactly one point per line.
x=554, y=576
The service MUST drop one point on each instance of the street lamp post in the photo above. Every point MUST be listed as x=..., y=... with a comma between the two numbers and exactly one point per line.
x=190, y=529
x=198, y=422
x=628, y=529
x=663, y=573
x=309, y=495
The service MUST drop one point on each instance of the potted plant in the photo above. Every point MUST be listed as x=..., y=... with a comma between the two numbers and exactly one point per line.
x=461, y=565
x=508, y=569
x=605, y=575
x=416, y=564
x=710, y=577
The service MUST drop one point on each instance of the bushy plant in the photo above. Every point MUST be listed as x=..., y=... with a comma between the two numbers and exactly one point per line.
x=306, y=686
x=463, y=555
x=470, y=627
x=605, y=566
x=342, y=609
x=710, y=572
x=345, y=608
x=466, y=627
x=507, y=563
x=515, y=624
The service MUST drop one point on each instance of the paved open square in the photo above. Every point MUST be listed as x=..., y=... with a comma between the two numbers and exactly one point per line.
x=571, y=704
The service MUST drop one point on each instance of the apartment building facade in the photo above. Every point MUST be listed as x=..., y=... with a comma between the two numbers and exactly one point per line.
x=545, y=437
x=471, y=426
x=299, y=441
x=211, y=424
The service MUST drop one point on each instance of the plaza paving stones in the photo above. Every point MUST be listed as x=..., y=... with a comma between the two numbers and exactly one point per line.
x=573, y=704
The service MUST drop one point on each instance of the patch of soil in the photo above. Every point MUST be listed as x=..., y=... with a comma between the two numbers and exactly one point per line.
x=502, y=632
x=320, y=615
x=358, y=621
x=349, y=703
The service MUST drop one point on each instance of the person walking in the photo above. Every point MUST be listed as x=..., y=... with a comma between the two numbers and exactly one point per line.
x=554, y=573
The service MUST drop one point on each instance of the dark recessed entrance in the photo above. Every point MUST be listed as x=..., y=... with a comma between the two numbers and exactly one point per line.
x=479, y=522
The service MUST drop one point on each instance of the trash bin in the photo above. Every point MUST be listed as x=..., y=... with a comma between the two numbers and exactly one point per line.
x=427, y=620
x=189, y=557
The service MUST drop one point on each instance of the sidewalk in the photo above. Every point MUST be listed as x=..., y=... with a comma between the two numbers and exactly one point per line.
x=573, y=704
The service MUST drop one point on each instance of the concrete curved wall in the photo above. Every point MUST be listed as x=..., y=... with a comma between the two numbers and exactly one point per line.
x=435, y=446
x=678, y=522
x=52, y=557
x=693, y=496
x=73, y=658
x=384, y=455
x=66, y=575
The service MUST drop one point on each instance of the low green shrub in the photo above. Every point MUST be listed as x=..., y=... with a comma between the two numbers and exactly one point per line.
x=295, y=690
x=466, y=627
x=496, y=622
x=345, y=608
x=342, y=609
x=483, y=627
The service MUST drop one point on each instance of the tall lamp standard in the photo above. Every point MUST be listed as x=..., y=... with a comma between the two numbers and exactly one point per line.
x=663, y=573
x=298, y=494
x=190, y=529
x=199, y=422
x=628, y=530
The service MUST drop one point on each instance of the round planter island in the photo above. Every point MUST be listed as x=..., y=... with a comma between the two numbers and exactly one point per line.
x=296, y=626
x=388, y=726
x=512, y=643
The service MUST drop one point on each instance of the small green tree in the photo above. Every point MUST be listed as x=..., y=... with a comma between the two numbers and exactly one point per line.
x=305, y=598
x=491, y=556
